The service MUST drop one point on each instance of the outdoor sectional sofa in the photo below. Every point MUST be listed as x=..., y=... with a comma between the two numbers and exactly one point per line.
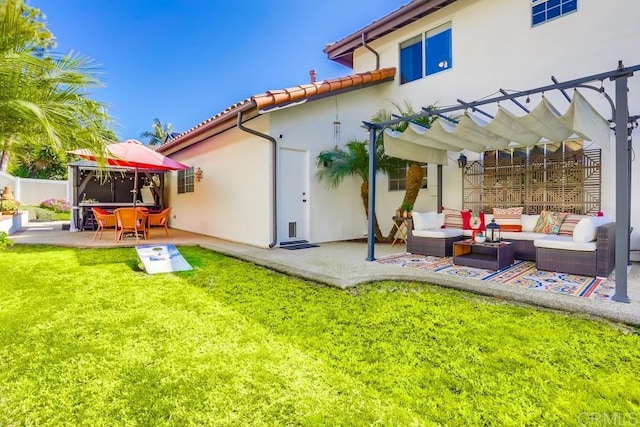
x=585, y=247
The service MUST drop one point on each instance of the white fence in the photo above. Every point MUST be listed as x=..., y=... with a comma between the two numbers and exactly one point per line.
x=30, y=191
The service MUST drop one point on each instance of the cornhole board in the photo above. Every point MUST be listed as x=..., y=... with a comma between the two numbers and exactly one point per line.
x=161, y=259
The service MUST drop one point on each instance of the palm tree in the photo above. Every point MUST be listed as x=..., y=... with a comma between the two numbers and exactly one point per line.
x=415, y=174
x=44, y=100
x=336, y=164
x=161, y=133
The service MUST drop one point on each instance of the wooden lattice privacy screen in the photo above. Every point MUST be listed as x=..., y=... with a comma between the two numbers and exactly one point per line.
x=559, y=177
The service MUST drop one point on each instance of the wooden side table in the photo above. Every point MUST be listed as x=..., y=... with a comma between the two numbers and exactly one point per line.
x=400, y=227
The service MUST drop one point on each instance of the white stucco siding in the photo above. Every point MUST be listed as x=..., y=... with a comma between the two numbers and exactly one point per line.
x=338, y=214
x=333, y=214
x=233, y=200
x=495, y=46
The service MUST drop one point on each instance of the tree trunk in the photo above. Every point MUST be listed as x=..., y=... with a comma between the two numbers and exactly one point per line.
x=414, y=184
x=4, y=161
x=364, y=194
x=415, y=174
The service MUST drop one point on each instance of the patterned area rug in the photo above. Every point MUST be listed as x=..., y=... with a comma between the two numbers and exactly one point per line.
x=522, y=274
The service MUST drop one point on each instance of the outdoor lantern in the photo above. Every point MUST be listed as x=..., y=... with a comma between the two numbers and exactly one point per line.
x=462, y=161
x=493, y=231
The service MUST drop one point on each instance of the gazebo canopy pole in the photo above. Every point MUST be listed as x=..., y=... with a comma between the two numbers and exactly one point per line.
x=371, y=235
x=623, y=204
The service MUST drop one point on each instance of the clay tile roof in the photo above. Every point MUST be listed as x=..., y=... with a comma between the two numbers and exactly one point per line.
x=275, y=98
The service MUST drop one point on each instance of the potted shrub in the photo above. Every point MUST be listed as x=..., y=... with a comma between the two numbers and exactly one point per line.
x=9, y=207
x=406, y=208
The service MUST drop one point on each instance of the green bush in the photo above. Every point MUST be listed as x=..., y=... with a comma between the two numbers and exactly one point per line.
x=10, y=206
x=38, y=214
x=5, y=241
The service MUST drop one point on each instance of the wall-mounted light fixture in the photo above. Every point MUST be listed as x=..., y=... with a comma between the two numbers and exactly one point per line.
x=198, y=174
x=462, y=161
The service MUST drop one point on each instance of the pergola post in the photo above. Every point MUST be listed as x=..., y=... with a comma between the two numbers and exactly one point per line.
x=623, y=175
x=439, y=196
x=371, y=235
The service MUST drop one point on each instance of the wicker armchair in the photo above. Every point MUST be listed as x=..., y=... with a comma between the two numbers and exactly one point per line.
x=130, y=220
x=160, y=219
x=104, y=219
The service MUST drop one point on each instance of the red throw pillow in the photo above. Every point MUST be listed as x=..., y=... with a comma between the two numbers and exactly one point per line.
x=467, y=218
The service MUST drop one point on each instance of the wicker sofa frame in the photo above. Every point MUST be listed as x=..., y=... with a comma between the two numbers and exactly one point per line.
x=599, y=263
x=585, y=263
x=441, y=247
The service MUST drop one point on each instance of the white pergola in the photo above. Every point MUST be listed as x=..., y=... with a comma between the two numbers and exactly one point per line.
x=541, y=125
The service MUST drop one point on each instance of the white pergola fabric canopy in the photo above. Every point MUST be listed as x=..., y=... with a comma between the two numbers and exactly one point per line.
x=543, y=124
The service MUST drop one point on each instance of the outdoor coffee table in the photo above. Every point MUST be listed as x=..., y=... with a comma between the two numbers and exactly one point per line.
x=490, y=256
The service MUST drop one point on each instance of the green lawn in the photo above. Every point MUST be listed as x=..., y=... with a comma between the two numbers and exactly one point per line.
x=38, y=214
x=88, y=339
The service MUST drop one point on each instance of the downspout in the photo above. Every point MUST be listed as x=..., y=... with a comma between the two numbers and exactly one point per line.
x=274, y=200
x=364, y=44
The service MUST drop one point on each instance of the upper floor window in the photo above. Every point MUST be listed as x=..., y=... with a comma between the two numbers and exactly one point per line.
x=398, y=176
x=426, y=54
x=185, y=181
x=545, y=10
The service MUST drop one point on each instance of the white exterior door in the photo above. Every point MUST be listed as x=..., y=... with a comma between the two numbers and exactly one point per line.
x=293, y=196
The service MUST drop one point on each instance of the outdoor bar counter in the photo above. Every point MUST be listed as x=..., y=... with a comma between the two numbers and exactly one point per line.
x=82, y=215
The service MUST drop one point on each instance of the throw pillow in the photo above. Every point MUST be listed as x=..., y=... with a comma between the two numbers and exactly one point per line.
x=452, y=218
x=425, y=220
x=469, y=220
x=505, y=216
x=529, y=222
x=510, y=227
x=549, y=222
x=569, y=224
x=587, y=228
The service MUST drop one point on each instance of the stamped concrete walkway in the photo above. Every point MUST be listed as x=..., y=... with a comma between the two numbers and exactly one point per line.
x=343, y=264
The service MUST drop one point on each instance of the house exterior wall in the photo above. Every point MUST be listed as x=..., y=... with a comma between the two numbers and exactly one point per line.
x=495, y=46
x=336, y=214
x=233, y=199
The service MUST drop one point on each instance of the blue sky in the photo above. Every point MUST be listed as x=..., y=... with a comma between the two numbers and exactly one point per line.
x=183, y=61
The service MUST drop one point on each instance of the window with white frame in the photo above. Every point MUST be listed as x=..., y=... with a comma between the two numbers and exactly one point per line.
x=426, y=54
x=546, y=10
x=185, y=181
x=398, y=175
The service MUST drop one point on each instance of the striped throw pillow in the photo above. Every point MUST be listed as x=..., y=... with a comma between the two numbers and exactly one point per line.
x=508, y=216
x=452, y=218
x=569, y=224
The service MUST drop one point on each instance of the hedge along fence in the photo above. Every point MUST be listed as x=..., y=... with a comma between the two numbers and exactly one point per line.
x=29, y=191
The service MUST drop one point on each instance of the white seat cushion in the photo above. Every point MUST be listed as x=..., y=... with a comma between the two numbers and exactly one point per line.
x=441, y=233
x=552, y=241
